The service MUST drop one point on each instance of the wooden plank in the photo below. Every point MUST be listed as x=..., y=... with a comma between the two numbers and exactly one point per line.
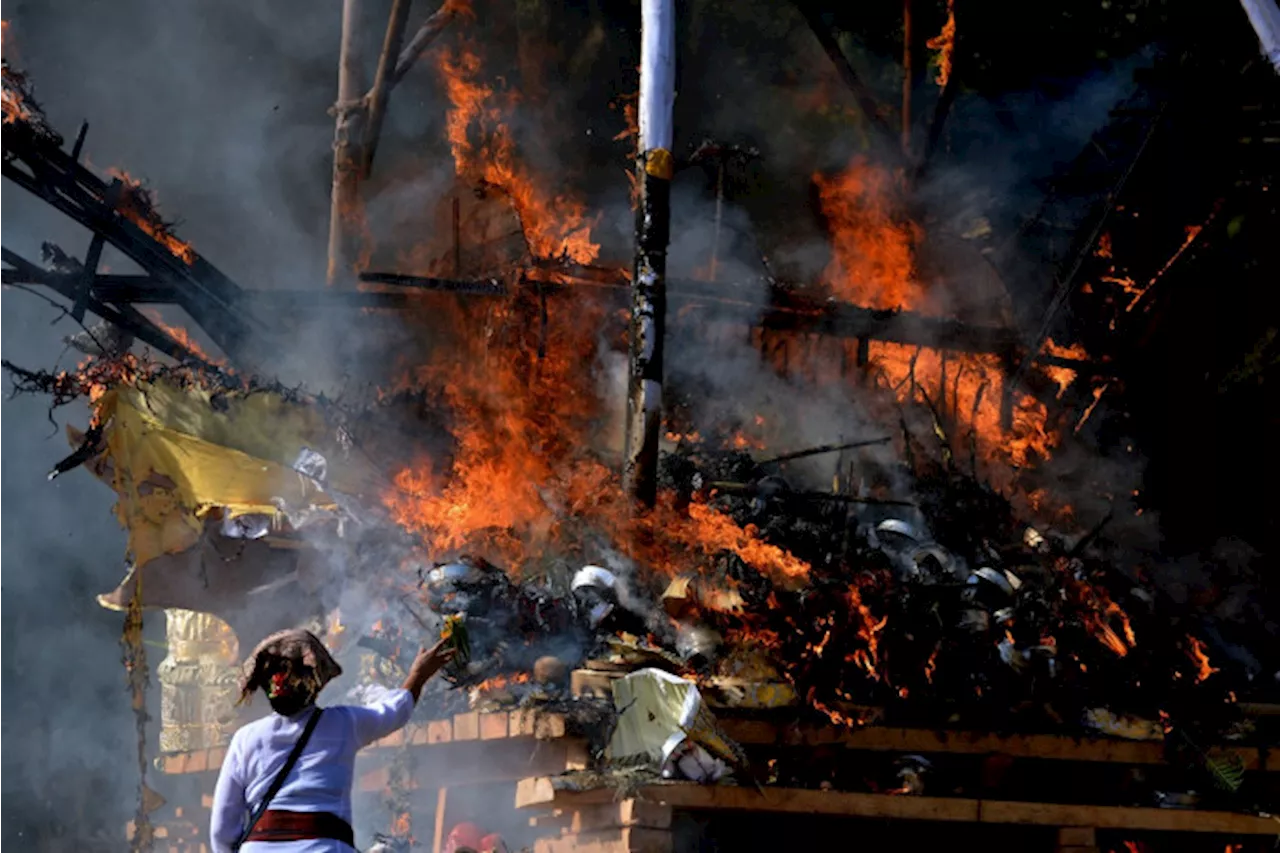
x=629, y=840
x=494, y=726
x=442, y=807
x=619, y=815
x=549, y=726
x=521, y=723
x=1077, y=836
x=592, y=683
x=556, y=792
x=439, y=731
x=883, y=738
x=1127, y=818
x=478, y=762
x=466, y=726
x=577, y=755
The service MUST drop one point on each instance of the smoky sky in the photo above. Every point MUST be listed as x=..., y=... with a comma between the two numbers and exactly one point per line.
x=221, y=109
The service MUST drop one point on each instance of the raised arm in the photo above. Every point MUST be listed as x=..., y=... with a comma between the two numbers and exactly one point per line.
x=386, y=714
x=426, y=664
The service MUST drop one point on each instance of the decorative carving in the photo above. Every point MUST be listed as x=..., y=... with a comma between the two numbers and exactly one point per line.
x=198, y=682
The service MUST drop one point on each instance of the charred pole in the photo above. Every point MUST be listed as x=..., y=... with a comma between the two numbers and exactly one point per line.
x=649, y=288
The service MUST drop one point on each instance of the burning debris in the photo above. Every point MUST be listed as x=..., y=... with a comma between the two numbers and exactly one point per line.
x=939, y=580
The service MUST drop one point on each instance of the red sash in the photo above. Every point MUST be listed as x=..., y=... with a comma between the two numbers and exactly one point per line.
x=276, y=825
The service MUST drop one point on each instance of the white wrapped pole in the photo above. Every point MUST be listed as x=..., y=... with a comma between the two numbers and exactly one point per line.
x=653, y=220
x=1265, y=17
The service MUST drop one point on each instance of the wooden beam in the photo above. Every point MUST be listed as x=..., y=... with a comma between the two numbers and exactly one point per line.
x=476, y=762
x=550, y=792
x=867, y=104
x=344, y=201
x=442, y=807
x=426, y=34
x=382, y=83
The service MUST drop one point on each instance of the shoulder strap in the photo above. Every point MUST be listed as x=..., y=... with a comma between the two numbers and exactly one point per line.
x=278, y=783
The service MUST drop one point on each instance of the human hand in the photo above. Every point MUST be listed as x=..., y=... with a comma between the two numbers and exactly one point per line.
x=431, y=660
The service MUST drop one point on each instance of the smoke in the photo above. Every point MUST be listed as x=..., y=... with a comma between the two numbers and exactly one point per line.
x=222, y=109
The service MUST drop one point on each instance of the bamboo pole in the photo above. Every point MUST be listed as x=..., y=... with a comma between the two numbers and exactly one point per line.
x=345, y=198
x=653, y=214
x=382, y=82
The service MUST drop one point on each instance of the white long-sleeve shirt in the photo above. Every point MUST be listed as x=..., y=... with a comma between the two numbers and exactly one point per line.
x=321, y=780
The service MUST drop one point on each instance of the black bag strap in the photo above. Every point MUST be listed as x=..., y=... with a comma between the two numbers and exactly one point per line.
x=278, y=783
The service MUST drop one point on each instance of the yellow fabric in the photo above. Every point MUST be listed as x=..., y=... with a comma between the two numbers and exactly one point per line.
x=261, y=424
x=148, y=436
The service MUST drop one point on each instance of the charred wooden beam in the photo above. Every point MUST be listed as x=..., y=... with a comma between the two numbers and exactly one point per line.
x=36, y=162
x=125, y=317
x=126, y=290
x=782, y=307
x=653, y=215
x=867, y=103
x=483, y=287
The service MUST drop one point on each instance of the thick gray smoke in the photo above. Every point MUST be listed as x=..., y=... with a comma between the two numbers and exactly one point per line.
x=222, y=109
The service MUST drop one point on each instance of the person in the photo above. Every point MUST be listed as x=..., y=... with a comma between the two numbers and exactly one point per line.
x=311, y=811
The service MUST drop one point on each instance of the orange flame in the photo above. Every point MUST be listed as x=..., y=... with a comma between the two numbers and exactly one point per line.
x=180, y=335
x=873, y=261
x=1062, y=376
x=14, y=108
x=499, y=682
x=136, y=206
x=1104, y=625
x=555, y=227
x=873, y=265
x=1200, y=657
x=945, y=43
x=713, y=531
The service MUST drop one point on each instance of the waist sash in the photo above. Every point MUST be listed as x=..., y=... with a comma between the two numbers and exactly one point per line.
x=278, y=825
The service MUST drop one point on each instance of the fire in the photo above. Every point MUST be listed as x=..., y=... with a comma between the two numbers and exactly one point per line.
x=137, y=205
x=967, y=389
x=931, y=666
x=1200, y=657
x=1192, y=232
x=555, y=227
x=1104, y=623
x=873, y=265
x=1063, y=376
x=15, y=109
x=873, y=255
x=713, y=531
x=499, y=682
x=180, y=335
x=945, y=43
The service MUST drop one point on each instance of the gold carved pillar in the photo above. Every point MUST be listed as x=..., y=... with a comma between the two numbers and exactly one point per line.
x=198, y=682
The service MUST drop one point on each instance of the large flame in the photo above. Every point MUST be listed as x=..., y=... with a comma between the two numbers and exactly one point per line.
x=873, y=265
x=555, y=226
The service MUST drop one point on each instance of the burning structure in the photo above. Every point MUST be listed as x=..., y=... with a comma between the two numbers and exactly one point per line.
x=882, y=526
